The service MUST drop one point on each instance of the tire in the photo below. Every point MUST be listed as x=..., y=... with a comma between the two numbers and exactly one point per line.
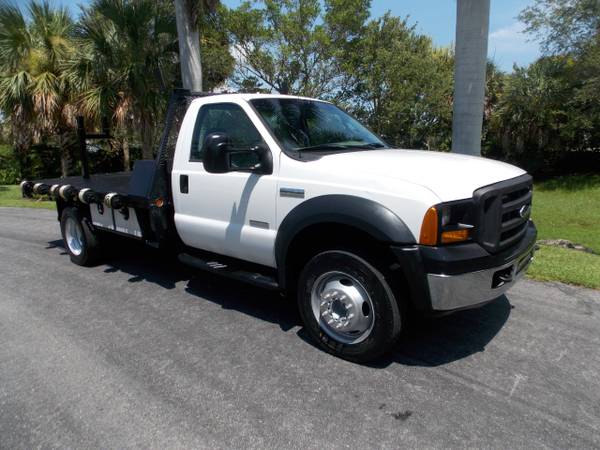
x=348, y=307
x=80, y=239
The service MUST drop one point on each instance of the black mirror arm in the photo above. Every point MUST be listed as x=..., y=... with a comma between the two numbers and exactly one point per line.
x=265, y=166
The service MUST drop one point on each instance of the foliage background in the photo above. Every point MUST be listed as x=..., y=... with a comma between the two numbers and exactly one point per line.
x=119, y=59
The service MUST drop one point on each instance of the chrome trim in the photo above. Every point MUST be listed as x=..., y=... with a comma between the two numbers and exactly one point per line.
x=291, y=192
x=450, y=292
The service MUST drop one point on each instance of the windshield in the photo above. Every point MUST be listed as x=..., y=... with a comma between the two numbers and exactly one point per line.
x=305, y=125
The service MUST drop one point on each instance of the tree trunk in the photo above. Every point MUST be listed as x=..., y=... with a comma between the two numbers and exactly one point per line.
x=65, y=157
x=22, y=145
x=19, y=154
x=126, y=155
x=472, y=26
x=189, y=46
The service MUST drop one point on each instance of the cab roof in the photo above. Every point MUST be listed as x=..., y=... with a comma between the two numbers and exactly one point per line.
x=251, y=96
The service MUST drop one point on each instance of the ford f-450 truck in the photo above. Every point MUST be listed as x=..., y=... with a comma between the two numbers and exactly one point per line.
x=293, y=194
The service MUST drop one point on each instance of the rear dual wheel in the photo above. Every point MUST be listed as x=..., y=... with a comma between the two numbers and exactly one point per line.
x=80, y=239
x=348, y=306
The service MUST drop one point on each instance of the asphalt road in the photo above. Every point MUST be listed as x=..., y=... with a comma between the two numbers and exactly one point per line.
x=142, y=352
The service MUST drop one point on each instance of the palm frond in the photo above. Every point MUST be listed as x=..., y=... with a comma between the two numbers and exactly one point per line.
x=15, y=39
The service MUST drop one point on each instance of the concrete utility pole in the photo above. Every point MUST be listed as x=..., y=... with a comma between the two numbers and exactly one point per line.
x=472, y=27
x=189, y=45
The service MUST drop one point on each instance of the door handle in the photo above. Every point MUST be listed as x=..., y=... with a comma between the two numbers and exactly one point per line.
x=184, y=184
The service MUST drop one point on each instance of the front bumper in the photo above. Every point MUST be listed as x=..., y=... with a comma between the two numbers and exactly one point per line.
x=450, y=292
x=443, y=279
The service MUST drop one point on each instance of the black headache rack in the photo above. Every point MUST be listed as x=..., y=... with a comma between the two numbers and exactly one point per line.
x=137, y=203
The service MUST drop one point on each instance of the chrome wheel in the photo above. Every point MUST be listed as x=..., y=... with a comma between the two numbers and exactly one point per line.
x=343, y=308
x=74, y=236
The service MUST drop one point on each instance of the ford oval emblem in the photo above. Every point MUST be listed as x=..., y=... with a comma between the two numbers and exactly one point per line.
x=524, y=211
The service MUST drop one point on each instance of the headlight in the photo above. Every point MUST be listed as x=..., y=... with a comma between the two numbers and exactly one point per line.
x=448, y=223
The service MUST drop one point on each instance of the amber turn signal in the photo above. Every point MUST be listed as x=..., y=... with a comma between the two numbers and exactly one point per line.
x=449, y=237
x=429, y=228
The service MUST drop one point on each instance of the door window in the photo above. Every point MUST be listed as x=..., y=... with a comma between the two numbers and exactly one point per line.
x=227, y=118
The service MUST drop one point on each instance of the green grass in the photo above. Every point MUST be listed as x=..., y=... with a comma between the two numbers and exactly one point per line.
x=568, y=266
x=568, y=208
x=11, y=196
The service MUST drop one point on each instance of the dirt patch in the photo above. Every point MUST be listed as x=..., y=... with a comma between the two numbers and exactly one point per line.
x=564, y=243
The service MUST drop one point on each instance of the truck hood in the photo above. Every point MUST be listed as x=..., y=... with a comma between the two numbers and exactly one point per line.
x=448, y=175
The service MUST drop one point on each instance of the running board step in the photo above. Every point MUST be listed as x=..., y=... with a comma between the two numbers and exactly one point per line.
x=255, y=278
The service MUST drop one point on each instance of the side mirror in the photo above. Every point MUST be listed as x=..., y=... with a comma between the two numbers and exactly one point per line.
x=220, y=157
x=216, y=147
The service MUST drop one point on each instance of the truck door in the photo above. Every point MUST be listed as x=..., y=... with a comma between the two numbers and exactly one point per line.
x=228, y=213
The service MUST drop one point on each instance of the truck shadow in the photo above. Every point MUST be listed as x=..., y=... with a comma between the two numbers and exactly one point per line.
x=428, y=342
x=431, y=342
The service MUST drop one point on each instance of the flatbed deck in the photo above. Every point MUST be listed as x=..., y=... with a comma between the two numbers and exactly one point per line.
x=118, y=182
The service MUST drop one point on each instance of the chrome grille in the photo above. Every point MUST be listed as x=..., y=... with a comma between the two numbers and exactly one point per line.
x=504, y=211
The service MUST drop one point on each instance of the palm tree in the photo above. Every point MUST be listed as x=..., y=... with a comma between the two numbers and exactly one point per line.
x=126, y=57
x=34, y=93
x=188, y=14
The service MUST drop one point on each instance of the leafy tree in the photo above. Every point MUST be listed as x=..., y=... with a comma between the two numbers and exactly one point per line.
x=530, y=123
x=548, y=114
x=282, y=44
x=402, y=85
x=381, y=70
x=347, y=22
x=494, y=87
x=127, y=50
x=34, y=92
x=291, y=45
x=217, y=62
x=563, y=25
x=127, y=62
x=203, y=44
x=585, y=74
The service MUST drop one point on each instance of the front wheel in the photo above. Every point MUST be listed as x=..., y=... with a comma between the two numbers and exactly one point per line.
x=347, y=306
x=81, y=241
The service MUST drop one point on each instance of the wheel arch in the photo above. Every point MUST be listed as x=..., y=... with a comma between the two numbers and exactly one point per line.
x=353, y=217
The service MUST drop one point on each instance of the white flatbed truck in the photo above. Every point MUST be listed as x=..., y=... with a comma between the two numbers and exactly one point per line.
x=293, y=194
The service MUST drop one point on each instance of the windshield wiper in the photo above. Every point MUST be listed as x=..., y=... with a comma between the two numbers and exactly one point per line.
x=340, y=146
x=368, y=145
x=332, y=146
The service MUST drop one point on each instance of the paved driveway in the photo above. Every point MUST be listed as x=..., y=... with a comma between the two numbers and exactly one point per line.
x=142, y=352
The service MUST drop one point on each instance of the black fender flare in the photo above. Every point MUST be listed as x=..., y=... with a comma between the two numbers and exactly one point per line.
x=361, y=213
